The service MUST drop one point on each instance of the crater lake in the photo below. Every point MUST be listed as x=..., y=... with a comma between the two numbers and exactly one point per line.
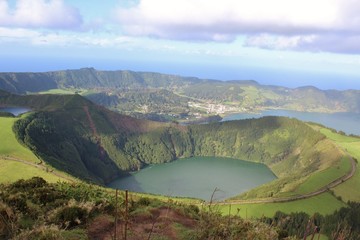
x=198, y=177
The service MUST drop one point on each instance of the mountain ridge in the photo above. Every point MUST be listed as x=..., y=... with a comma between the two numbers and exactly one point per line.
x=144, y=93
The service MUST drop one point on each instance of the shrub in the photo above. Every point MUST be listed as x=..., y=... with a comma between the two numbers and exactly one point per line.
x=71, y=216
x=7, y=220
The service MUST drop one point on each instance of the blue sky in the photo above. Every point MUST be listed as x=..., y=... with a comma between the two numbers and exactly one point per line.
x=281, y=42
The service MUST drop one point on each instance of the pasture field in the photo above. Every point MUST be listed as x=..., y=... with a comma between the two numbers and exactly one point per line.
x=11, y=171
x=9, y=146
x=349, y=190
x=321, y=179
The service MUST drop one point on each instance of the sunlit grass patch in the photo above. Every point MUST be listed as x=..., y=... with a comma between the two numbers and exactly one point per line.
x=9, y=145
x=11, y=171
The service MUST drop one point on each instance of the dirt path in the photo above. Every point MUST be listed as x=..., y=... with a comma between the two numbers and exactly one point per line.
x=37, y=165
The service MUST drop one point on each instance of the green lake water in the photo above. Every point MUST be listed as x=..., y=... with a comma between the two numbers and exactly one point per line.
x=198, y=177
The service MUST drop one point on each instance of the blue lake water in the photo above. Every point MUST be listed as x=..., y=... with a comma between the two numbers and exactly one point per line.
x=347, y=122
x=198, y=177
x=15, y=110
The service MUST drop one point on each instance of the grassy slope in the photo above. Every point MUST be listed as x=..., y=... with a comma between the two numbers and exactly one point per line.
x=349, y=191
x=321, y=179
x=9, y=145
x=11, y=171
x=346, y=190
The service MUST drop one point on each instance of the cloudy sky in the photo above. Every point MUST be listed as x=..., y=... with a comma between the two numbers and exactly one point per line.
x=292, y=43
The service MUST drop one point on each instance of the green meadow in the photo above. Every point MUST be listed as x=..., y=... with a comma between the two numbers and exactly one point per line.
x=9, y=146
x=11, y=171
x=321, y=179
x=349, y=190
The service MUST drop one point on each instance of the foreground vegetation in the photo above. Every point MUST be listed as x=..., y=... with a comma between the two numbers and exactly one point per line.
x=35, y=209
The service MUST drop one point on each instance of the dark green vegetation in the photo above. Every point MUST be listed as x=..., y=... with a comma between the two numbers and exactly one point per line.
x=342, y=224
x=35, y=209
x=93, y=143
x=167, y=97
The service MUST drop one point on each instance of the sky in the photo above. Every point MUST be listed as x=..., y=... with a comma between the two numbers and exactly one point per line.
x=279, y=42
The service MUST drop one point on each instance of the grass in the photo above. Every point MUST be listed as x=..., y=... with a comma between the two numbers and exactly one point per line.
x=163, y=198
x=9, y=145
x=349, y=190
x=60, y=91
x=322, y=237
x=321, y=179
x=12, y=171
x=323, y=204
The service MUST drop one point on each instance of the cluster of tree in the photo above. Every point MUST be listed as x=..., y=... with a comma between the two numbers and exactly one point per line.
x=342, y=224
x=58, y=141
x=35, y=209
x=143, y=101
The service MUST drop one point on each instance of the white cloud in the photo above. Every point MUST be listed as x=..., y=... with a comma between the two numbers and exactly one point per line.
x=287, y=24
x=20, y=35
x=268, y=41
x=39, y=14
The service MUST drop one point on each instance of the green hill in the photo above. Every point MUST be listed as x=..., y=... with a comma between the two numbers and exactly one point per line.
x=93, y=143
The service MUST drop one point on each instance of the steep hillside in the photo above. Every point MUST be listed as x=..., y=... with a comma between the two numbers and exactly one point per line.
x=94, y=143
